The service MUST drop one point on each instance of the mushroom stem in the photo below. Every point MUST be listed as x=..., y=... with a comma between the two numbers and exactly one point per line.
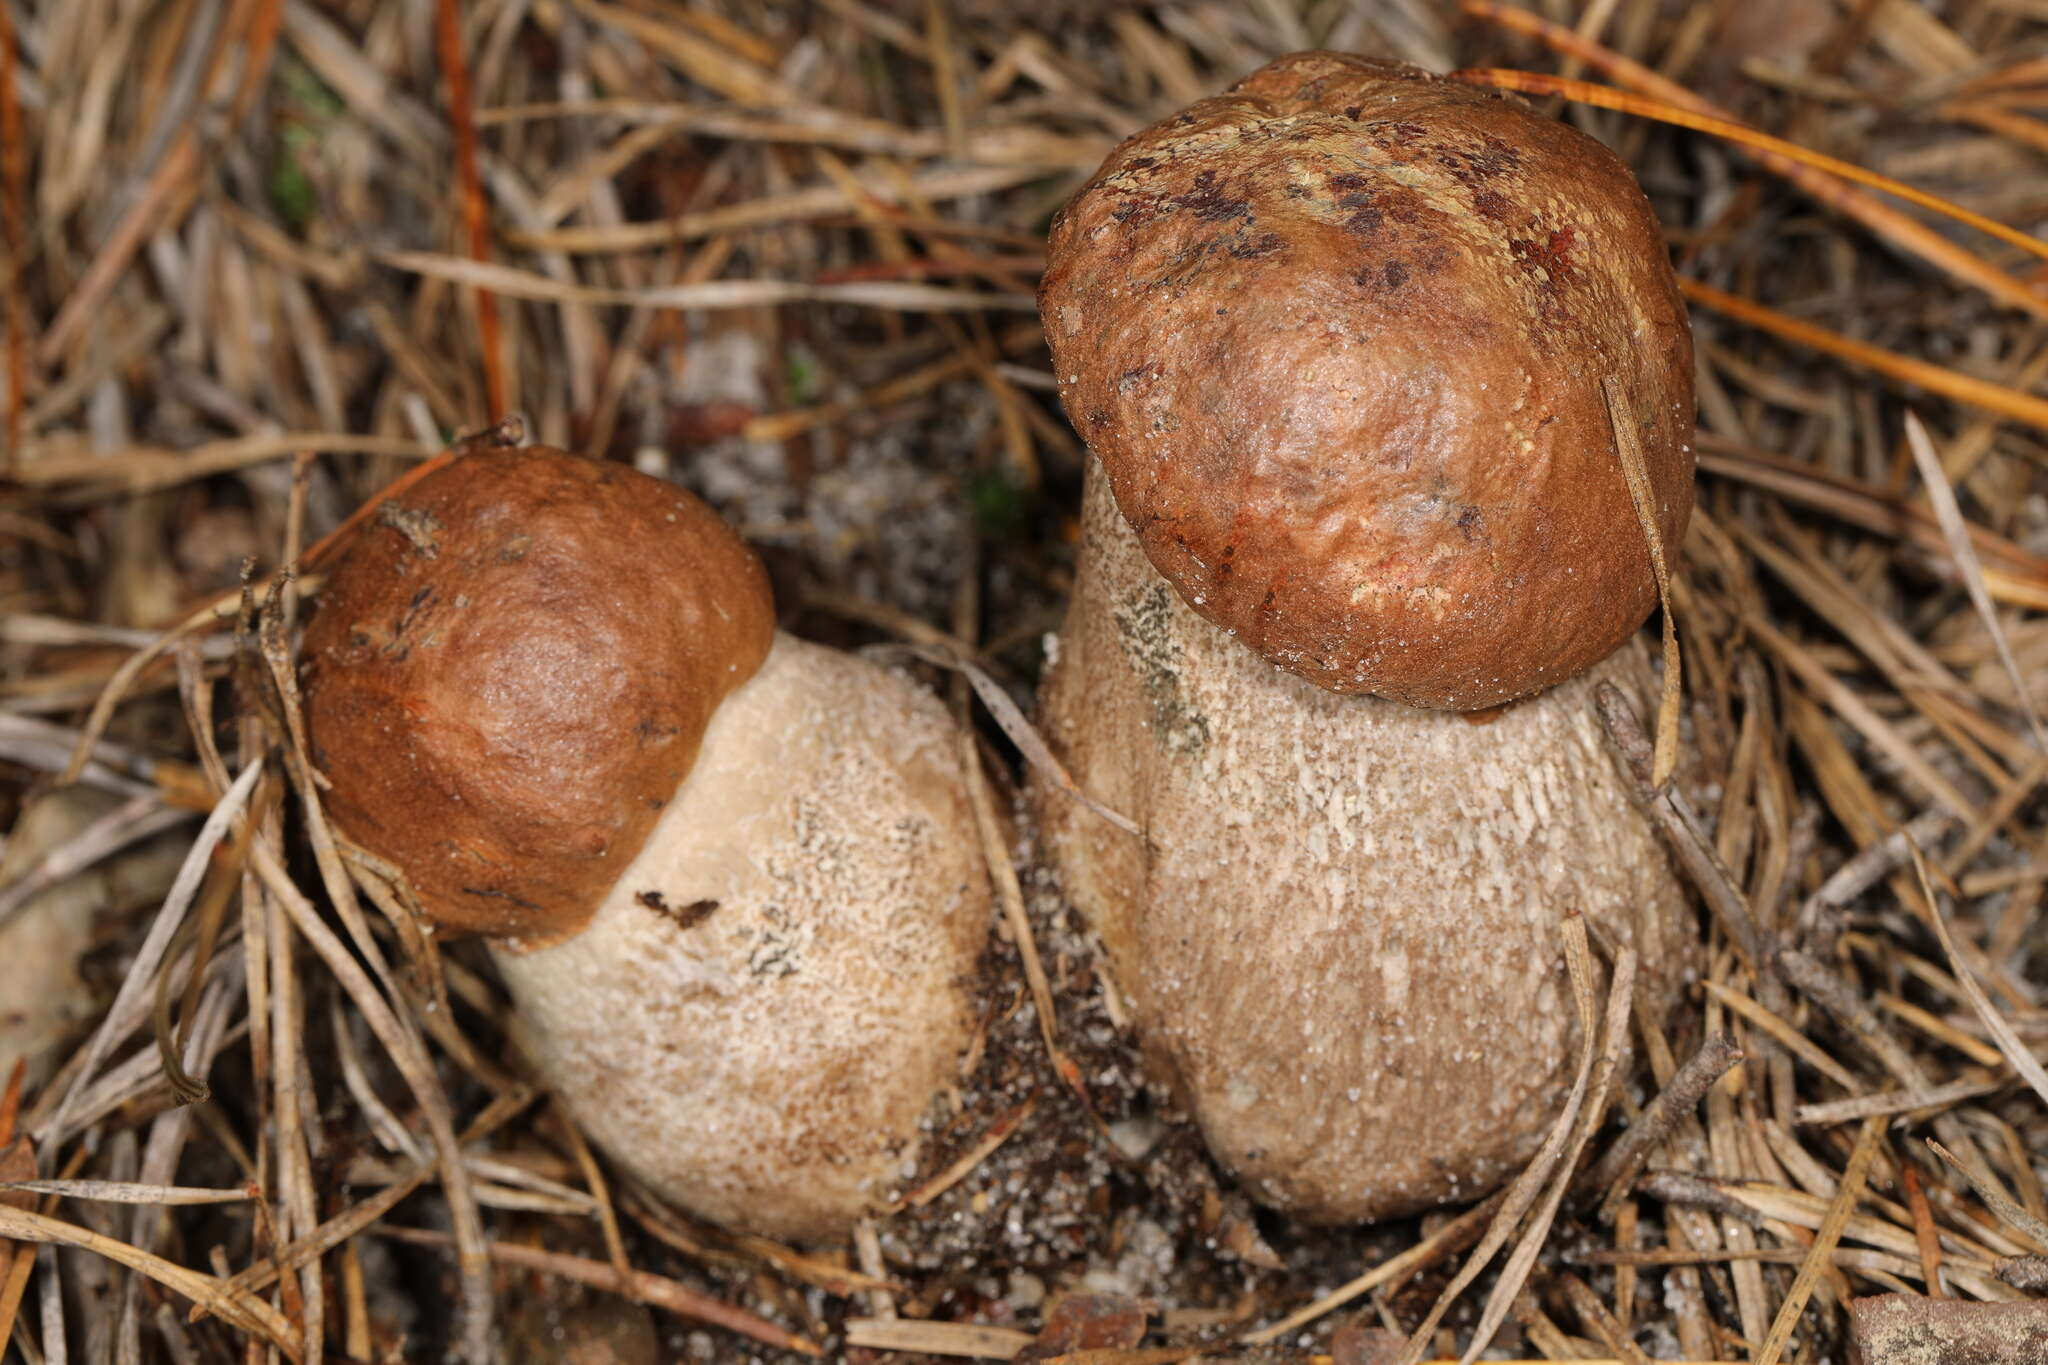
x=1339, y=938
x=761, y=1011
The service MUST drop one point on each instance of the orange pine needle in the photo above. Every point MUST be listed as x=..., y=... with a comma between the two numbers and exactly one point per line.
x=259, y=42
x=2028, y=71
x=2028, y=132
x=13, y=187
x=1904, y=231
x=462, y=117
x=1963, y=388
x=1643, y=106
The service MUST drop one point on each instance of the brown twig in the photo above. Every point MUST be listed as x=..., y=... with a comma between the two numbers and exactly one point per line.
x=1625, y=1158
x=475, y=214
x=641, y=1286
x=14, y=240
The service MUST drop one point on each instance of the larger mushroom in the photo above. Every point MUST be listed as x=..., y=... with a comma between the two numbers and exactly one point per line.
x=1337, y=340
x=731, y=878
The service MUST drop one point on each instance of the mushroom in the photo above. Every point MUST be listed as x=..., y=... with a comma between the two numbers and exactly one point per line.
x=1337, y=341
x=731, y=878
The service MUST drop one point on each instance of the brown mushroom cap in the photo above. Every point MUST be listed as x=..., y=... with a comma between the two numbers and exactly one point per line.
x=1338, y=337
x=510, y=673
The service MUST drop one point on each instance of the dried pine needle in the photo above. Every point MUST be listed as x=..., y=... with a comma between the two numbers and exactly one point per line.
x=1628, y=445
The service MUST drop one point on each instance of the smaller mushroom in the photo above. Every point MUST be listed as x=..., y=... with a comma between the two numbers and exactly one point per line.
x=730, y=877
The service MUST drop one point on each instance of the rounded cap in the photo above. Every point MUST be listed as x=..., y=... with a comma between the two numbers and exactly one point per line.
x=510, y=673
x=1338, y=336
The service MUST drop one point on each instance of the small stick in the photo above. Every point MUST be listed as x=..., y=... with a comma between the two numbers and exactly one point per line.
x=1674, y=815
x=1626, y=1157
x=1003, y=872
x=1869, y=867
x=640, y=1286
x=1594, y=1314
x=998, y=1133
x=1923, y=1230
x=1782, y=1033
x=1832, y=994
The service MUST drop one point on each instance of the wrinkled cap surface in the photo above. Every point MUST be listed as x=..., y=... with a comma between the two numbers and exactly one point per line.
x=510, y=672
x=1338, y=336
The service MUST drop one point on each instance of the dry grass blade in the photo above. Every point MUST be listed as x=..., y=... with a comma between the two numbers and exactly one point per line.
x=407, y=1055
x=1528, y=1186
x=1847, y=1194
x=712, y=294
x=127, y=1192
x=1459, y=1231
x=1002, y=872
x=1629, y=446
x=1863, y=505
x=1612, y=1047
x=1889, y=1102
x=1998, y=1201
x=1015, y=725
x=247, y=1312
x=936, y=1338
x=1605, y=1324
x=163, y=929
x=145, y=470
x=1946, y=510
x=2009, y=1044
x=816, y=201
x=343, y=1226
